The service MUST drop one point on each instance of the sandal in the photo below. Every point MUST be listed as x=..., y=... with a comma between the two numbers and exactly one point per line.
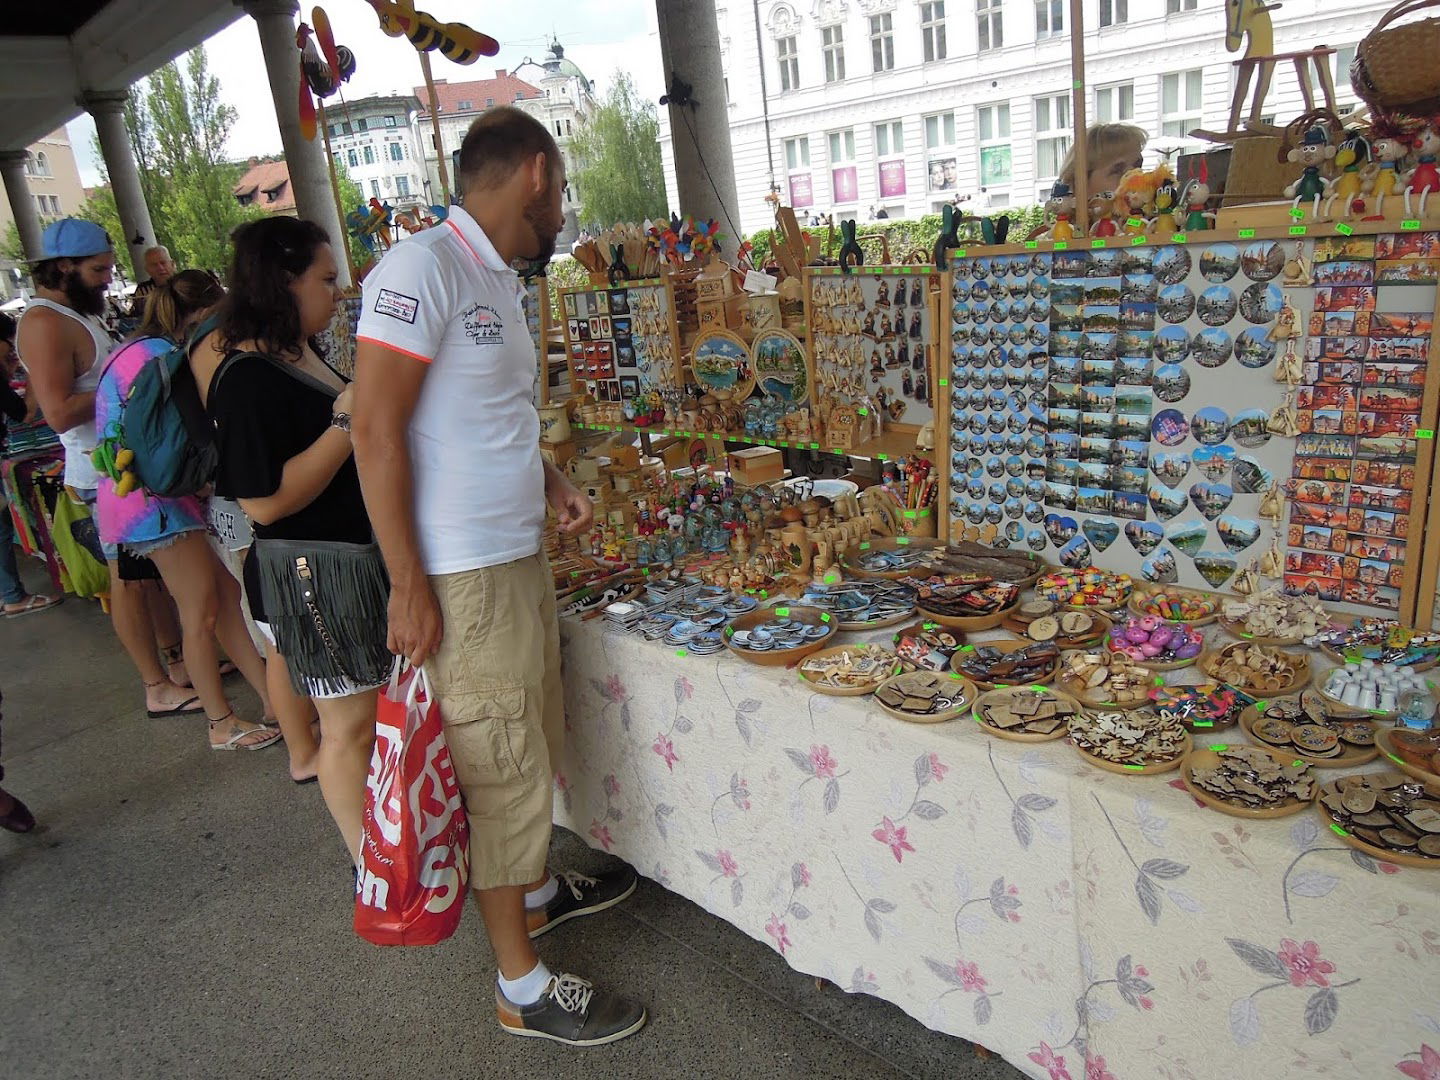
x=188, y=707
x=236, y=739
x=30, y=605
x=174, y=657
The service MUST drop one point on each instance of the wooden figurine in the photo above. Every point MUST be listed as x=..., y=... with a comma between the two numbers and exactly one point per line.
x=1167, y=200
x=1425, y=177
x=1389, y=143
x=1297, y=268
x=1061, y=207
x=1314, y=154
x=1102, y=214
x=1132, y=201
x=840, y=427
x=1192, y=203
x=1351, y=159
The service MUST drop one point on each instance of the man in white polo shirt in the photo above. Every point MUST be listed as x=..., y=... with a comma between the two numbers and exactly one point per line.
x=447, y=443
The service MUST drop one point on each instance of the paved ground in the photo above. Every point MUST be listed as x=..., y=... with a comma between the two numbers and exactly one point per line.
x=185, y=914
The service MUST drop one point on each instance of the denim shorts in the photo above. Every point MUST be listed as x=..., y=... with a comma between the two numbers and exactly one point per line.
x=143, y=549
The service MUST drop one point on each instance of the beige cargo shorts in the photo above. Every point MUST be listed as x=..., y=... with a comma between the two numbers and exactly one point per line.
x=497, y=677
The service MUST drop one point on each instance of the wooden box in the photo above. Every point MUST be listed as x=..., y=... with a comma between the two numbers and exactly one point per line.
x=757, y=465
x=558, y=454
x=711, y=314
x=713, y=285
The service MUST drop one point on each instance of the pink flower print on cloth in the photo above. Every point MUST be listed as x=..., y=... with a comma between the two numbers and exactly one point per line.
x=893, y=837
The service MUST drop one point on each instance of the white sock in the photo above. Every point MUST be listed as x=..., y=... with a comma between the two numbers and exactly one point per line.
x=527, y=989
x=543, y=895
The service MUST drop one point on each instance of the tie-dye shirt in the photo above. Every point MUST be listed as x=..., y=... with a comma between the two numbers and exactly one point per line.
x=138, y=518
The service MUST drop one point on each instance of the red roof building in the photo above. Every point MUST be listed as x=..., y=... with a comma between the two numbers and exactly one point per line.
x=267, y=185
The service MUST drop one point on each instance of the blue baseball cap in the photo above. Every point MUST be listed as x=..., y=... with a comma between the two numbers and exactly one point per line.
x=73, y=238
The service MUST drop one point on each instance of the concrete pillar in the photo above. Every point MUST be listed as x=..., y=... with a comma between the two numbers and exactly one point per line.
x=309, y=173
x=108, y=109
x=690, y=47
x=22, y=206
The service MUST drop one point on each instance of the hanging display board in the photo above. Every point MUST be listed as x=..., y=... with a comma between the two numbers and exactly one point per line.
x=1183, y=412
x=537, y=323
x=620, y=342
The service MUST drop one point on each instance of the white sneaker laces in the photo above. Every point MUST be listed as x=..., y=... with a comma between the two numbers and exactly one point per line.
x=572, y=993
x=574, y=881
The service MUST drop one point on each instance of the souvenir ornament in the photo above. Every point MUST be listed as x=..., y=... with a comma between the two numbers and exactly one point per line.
x=1387, y=816
x=1272, y=564
x=1193, y=200
x=1284, y=421
x=1425, y=177
x=1250, y=778
x=1100, y=532
x=1389, y=144
x=1297, y=268
x=1061, y=208
x=1215, y=567
x=1290, y=370
x=1272, y=505
x=1351, y=158
x=1314, y=154
x=1287, y=323
x=1245, y=581
x=1144, y=536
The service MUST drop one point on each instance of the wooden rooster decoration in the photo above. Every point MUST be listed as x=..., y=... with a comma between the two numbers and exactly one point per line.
x=323, y=67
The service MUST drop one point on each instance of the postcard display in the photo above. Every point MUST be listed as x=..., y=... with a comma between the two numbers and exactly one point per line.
x=620, y=341
x=534, y=303
x=1125, y=408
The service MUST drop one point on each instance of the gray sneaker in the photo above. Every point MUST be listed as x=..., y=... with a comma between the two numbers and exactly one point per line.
x=573, y=1012
x=579, y=894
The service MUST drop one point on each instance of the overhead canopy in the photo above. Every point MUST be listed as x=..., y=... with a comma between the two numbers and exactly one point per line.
x=52, y=53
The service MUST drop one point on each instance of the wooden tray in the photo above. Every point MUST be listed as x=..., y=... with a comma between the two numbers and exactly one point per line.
x=1156, y=665
x=1209, y=658
x=970, y=622
x=1093, y=699
x=1340, y=706
x=966, y=687
x=1140, y=593
x=1399, y=858
x=1041, y=568
x=1103, y=622
x=1205, y=758
x=1139, y=770
x=1341, y=658
x=1354, y=756
x=879, y=624
x=781, y=657
x=889, y=543
x=846, y=691
x=1005, y=645
x=1235, y=629
x=1059, y=733
x=1386, y=747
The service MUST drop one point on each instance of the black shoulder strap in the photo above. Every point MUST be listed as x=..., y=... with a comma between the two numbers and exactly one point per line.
x=288, y=369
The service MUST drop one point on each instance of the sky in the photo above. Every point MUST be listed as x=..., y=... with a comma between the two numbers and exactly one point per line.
x=600, y=37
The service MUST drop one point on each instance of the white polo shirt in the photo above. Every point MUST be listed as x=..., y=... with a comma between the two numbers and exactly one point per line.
x=445, y=297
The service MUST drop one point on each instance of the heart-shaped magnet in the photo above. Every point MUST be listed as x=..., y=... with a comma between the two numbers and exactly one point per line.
x=1216, y=568
x=1187, y=536
x=1160, y=569
x=1170, y=468
x=1100, y=532
x=1250, y=477
x=1211, y=500
x=1236, y=533
x=1075, y=554
x=1166, y=503
x=1214, y=461
x=1059, y=529
x=1144, y=536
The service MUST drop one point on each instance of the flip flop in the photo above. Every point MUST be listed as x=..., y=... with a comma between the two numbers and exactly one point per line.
x=233, y=743
x=31, y=605
x=227, y=668
x=307, y=780
x=19, y=819
x=185, y=708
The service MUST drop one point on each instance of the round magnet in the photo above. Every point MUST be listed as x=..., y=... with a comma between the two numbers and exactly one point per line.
x=1253, y=347
x=1216, y=305
x=1176, y=303
x=1262, y=260
x=1219, y=262
x=1261, y=302
x=1211, y=347
x=1171, y=265
x=1210, y=425
x=1251, y=428
x=1169, y=427
x=1171, y=383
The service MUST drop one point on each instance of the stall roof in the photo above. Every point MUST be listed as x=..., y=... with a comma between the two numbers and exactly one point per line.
x=50, y=54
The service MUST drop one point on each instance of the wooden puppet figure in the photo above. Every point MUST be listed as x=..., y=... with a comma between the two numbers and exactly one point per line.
x=1132, y=197
x=1167, y=201
x=1389, y=143
x=1350, y=159
x=1102, y=214
x=1061, y=207
x=1193, y=198
x=1314, y=153
x=1425, y=177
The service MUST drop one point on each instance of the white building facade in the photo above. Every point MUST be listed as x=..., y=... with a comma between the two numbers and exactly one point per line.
x=903, y=104
x=375, y=141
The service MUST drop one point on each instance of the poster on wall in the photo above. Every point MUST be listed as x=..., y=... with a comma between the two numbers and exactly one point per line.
x=845, y=184
x=994, y=166
x=943, y=174
x=892, y=178
x=801, y=193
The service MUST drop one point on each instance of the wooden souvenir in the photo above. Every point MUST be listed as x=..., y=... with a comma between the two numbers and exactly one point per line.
x=861, y=688
x=961, y=691
x=1385, y=742
x=1211, y=757
x=781, y=657
x=1290, y=676
x=1005, y=698
x=711, y=314
x=720, y=362
x=1169, y=735
x=1004, y=645
x=841, y=427
x=850, y=560
x=1338, y=791
x=1349, y=757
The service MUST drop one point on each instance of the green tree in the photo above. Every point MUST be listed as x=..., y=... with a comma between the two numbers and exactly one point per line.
x=11, y=247
x=100, y=208
x=618, y=173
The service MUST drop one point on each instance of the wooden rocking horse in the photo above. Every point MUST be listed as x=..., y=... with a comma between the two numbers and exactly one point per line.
x=1248, y=22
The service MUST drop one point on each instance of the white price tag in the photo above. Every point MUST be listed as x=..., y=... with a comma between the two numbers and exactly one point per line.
x=758, y=283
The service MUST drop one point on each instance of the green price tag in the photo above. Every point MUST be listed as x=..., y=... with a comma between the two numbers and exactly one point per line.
x=1135, y=223
x=864, y=412
x=930, y=626
x=965, y=648
x=881, y=457
x=1339, y=831
x=1410, y=225
x=1135, y=240
x=1220, y=746
x=1424, y=433
x=1246, y=234
x=814, y=446
x=1204, y=723
x=1180, y=238
x=943, y=382
x=783, y=612
x=681, y=652
x=1299, y=230
x=825, y=616
x=1136, y=767
x=1343, y=229
x=910, y=514
x=645, y=570
x=959, y=253
x=1297, y=213
x=1032, y=244
x=902, y=540
x=830, y=579
x=764, y=595
x=865, y=546
x=1062, y=245
x=1097, y=243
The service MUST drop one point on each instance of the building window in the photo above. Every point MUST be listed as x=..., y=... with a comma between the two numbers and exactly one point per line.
x=402, y=186
x=345, y=127
x=788, y=55
x=1114, y=12
x=375, y=188
x=466, y=106
x=390, y=121
x=42, y=164
x=567, y=122
x=890, y=158
x=362, y=124
x=882, y=42
x=1344, y=93
x=940, y=161
x=932, y=30
x=394, y=148
x=832, y=46
x=1115, y=104
x=519, y=95
x=489, y=102
x=990, y=24
x=369, y=152
x=797, y=165
x=992, y=128
x=1049, y=18
x=1180, y=107
x=1053, y=132
x=352, y=158
x=334, y=130
x=1175, y=7
x=844, y=182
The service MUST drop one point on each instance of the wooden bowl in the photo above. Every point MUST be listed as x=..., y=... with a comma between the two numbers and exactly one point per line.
x=1341, y=658
x=1019, y=736
x=1399, y=858
x=1138, y=770
x=1038, y=565
x=969, y=622
x=850, y=559
x=781, y=657
x=1238, y=630
x=1158, y=665
x=1045, y=678
x=845, y=691
x=1014, y=625
x=1206, y=758
x=1301, y=679
x=879, y=624
x=1353, y=756
x=1094, y=699
x=1386, y=745
x=964, y=687
x=1141, y=593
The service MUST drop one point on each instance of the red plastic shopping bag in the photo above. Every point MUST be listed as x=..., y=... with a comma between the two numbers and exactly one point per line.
x=414, y=855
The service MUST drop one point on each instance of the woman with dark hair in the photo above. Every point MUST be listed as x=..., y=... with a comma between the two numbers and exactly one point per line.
x=315, y=580
x=170, y=532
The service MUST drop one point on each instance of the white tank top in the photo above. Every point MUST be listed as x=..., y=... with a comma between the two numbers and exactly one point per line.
x=80, y=474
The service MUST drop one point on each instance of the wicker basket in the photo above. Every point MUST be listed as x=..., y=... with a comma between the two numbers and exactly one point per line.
x=1394, y=67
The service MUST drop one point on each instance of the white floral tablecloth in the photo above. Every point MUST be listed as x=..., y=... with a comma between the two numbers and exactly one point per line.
x=1080, y=923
